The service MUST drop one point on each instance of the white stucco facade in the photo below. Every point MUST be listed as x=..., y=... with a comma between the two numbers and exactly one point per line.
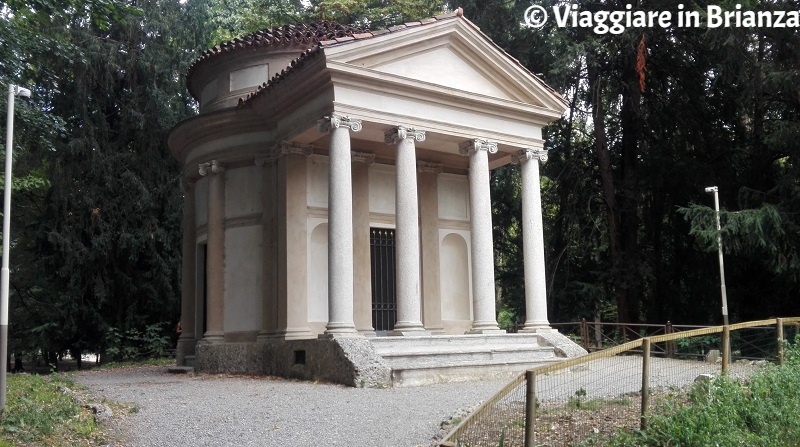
x=369, y=148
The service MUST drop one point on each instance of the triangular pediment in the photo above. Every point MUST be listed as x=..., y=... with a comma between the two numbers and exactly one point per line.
x=446, y=67
x=454, y=55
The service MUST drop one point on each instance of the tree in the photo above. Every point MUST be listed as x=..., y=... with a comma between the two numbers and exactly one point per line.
x=104, y=238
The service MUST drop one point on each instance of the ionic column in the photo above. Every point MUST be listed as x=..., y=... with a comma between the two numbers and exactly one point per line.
x=186, y=342
x=215, y=258
x=482, y=253
x=340, y=226
x=533, y=241
x=409, y=320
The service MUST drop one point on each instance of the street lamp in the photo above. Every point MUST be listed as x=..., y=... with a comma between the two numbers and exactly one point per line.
x=714, y=190
x=13, y=92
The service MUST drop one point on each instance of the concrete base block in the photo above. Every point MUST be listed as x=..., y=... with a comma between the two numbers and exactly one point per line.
x=564, y=347
x=350, y=361
x=185, y=348
x=229, y=358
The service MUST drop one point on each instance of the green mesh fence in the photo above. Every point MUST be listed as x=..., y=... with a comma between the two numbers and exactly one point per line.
x=583, y=401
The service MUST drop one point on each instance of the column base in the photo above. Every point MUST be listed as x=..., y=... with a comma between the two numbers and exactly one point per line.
x=534, y=328
x=408, y=333
x=408, y=328
x=486, y=331
x=334, y=330
x=488, y=327
x=213, y=338
x=330, y=335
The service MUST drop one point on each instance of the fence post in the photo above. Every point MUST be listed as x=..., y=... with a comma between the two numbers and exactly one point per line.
x=779, y=326
x=726, y=347
x=530, y=408
x=585, y=334
x=671, y=343
x=645, y=382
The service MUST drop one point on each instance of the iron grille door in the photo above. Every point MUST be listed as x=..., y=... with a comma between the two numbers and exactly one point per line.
x=384, y=298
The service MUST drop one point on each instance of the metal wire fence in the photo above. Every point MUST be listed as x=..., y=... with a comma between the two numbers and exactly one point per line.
x=585, y=400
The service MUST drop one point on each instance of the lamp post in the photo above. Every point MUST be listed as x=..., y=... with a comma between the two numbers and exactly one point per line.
x=714, y=190
x=13, y=92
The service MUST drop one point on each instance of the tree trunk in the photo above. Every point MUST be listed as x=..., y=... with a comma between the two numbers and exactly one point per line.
x=609, y=191
x=629, y=279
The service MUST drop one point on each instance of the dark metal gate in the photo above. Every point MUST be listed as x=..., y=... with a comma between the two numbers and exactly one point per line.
x=384, y=298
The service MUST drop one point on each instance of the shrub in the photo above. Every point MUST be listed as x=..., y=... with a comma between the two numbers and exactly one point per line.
x=723, y=412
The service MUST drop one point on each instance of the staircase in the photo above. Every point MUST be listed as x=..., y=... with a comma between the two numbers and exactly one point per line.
x=453, y=358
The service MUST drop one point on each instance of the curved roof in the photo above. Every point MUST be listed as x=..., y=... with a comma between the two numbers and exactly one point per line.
x=299, y=34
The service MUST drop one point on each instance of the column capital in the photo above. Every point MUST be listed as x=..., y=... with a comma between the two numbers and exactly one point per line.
x=469, y=147
x=281, y=149
x=427, y=166
x=212, y=167
x=399, y=133
x=363, y=157
x=334, y=121
x=529, y=154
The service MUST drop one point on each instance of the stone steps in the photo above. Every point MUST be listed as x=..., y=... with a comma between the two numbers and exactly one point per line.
x=438, y=357
x=442, y=358
x=418, y=376
x=392, y=344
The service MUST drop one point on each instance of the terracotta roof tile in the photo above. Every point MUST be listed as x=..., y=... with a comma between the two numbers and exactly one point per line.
x=353, y=35
x=303, y=34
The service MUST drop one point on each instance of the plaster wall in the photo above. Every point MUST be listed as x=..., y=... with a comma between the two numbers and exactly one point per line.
x=317, y=181
x=453, y=193
x=443, y=66
x=382, y=186
x=318, y=274
x=456, y=294
x=222, y=82
x=243, y=193
x=201, y=202
x=243, y=282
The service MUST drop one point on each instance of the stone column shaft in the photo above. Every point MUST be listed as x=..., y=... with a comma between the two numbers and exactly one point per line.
x=482, y=253
x=340, y=227
x=533, y=242
x=186, y=341
x=269, y=235
x=407, y=261
x=215, y=261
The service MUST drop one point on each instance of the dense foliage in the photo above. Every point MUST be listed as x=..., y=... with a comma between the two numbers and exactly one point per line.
x=654, y=116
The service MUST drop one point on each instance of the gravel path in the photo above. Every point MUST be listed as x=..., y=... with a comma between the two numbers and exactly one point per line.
x=211, y=410
x=207, y=410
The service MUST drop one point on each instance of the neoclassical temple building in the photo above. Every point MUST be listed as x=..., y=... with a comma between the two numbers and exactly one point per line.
x=337, y=215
